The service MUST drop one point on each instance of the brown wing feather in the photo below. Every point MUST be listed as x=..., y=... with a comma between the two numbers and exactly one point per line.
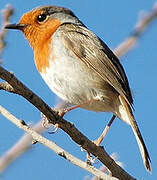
x=92, y=51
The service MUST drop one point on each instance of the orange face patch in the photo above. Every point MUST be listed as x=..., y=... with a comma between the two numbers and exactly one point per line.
x=39, y=36
x=42, y=48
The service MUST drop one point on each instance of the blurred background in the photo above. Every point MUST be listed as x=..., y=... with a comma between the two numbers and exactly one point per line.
x=112, y=21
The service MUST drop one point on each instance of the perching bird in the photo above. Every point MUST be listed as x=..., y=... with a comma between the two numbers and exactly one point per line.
x=78, y=66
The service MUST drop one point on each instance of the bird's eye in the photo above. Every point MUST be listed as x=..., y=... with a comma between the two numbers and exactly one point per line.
x=41, y=18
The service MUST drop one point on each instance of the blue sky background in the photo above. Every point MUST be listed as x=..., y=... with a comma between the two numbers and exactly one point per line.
x=112, y=21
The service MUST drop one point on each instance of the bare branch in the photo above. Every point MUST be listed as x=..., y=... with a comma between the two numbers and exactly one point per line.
x=140, y=26
x=21, y=146
x=61, y=152
x=6, y=14
x=26, y=140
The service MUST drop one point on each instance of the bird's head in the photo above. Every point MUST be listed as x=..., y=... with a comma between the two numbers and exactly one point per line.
x=39, y=24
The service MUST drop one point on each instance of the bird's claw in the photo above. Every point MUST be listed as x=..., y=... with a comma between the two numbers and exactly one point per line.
x=46, y=124
x=56, y=127
x=45, y=121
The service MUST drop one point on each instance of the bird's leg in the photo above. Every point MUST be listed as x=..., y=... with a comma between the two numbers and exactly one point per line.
x=100, y=139
x=63, y=112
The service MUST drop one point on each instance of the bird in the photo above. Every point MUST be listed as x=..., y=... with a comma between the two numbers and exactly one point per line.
x=78, y=66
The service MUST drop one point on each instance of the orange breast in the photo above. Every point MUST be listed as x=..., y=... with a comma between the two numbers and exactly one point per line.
x=42, y=48
x=41, y=56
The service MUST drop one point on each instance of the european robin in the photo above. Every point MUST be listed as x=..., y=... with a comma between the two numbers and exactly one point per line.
x=78, y=66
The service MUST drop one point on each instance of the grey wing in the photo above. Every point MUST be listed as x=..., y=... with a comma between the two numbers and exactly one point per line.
x=95, y=53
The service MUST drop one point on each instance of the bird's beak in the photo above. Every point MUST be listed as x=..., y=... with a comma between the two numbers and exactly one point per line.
x=15, y=26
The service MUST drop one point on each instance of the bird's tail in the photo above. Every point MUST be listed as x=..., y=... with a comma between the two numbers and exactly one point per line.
x=125, y=114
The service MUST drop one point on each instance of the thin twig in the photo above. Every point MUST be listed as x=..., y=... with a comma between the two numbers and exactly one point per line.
x=140, y=27
x=6, y=14
x=24, y=143
x=61, y=152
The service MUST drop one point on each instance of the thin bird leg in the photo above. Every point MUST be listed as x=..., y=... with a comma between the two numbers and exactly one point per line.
x=76, y=106
x=62, y=113
x=100, y=139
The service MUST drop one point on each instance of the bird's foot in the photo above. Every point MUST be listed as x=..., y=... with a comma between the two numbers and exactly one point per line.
x=47, y=125
x=90, y=159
